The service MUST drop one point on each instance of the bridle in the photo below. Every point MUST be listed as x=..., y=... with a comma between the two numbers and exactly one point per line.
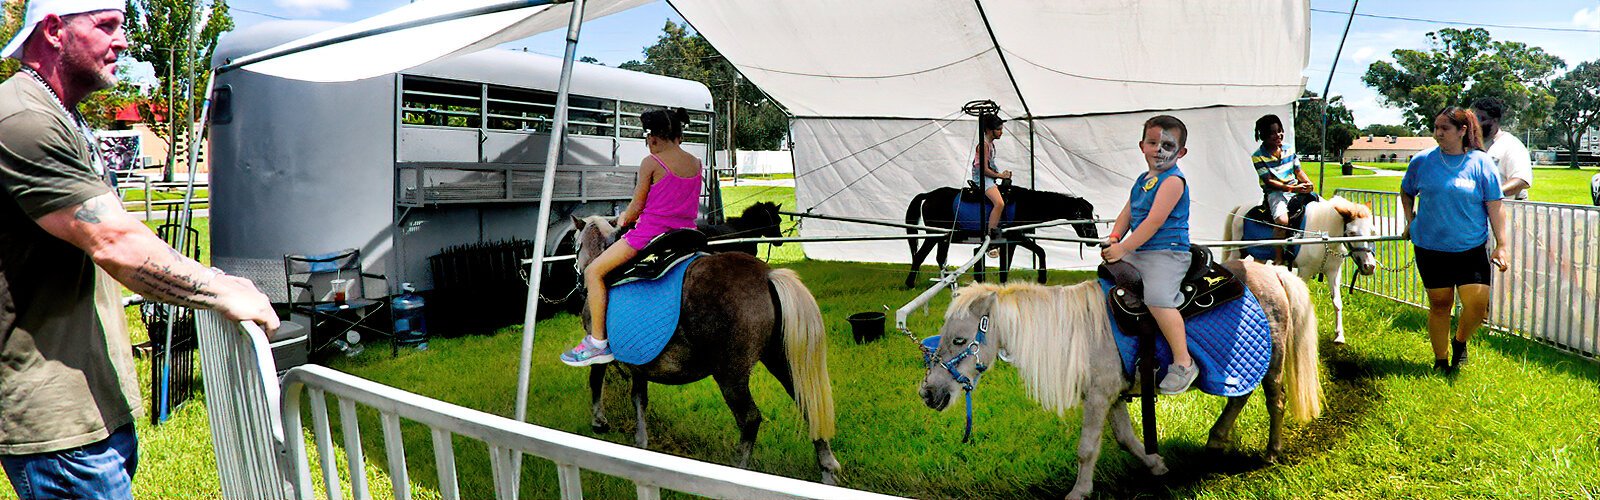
x=973, y=349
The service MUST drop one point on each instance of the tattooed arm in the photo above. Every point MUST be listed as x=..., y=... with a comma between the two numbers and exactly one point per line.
x=137, y=258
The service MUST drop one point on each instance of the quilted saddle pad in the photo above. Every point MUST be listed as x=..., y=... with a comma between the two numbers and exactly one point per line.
x=1232, y=345
x=641, y=316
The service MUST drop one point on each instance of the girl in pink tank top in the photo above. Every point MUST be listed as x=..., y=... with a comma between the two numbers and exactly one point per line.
x=666, y=198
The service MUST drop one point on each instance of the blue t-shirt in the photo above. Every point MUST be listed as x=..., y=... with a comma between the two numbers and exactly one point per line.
x=1174, y=232
x=1450, y=192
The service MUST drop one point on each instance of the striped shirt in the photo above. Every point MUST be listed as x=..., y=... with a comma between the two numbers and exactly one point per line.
x=1279, y=166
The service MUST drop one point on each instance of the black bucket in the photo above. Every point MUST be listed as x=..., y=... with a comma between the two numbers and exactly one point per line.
x=867, y=326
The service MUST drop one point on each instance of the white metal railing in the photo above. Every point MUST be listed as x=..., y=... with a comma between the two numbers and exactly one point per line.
x=242, y=405
x=148, y=202
x=1551, y=291
x=255, y=461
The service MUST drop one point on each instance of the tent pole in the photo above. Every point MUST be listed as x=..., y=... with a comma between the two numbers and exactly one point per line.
x=1012, y=77
x=185, y=217
x=1031, y=157
x=541, y=230
x=1322, y=155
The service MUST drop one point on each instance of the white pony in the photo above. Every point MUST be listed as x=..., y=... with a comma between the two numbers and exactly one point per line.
x=1060, y=340
x=1334, y=217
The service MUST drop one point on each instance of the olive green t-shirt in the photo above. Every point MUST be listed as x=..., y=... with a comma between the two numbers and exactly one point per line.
x=66, y=367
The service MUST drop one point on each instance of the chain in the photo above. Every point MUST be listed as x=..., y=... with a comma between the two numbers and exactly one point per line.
x=1398, y=269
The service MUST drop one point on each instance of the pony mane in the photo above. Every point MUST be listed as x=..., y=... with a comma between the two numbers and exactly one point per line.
x=1350, y=210
x=1050, y=333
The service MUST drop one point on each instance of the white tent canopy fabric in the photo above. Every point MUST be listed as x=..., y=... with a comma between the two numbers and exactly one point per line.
x=403, y=49
x=874, y=87
x=924, y=58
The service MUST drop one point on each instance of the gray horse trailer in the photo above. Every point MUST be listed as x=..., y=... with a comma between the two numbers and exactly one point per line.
x=405, y=165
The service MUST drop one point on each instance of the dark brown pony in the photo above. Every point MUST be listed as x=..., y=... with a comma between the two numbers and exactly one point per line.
x=760, y=220
x=736, y=311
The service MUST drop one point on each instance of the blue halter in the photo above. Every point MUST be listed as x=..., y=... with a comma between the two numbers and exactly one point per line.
x=968, y=384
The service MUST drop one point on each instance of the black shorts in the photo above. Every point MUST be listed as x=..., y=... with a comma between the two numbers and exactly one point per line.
x=1452, y=269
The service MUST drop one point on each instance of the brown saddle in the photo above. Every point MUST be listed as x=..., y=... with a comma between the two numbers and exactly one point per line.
x=660, y=256
x=1207, y=285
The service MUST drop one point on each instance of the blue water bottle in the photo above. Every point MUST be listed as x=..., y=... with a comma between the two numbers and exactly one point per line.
x=410, y=329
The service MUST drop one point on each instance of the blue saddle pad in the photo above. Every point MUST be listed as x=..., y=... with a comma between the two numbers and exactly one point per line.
x=642, y=315
x=1254, y=230
x=1231, y=344
x=972, y=216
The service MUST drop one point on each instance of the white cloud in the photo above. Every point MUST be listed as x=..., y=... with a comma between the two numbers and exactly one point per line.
x=1587, y=18
x=1363, y=54
x=311, y=7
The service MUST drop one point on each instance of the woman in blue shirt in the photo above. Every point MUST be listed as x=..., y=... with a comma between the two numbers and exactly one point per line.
x=1451, y=198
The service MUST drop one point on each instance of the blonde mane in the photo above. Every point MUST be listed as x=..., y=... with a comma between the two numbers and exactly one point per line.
x=1049, y=332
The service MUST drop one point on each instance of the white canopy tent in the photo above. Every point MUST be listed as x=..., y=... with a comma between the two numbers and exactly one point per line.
x=875, y=88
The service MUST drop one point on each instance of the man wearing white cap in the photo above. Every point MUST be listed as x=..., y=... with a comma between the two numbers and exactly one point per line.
x=68, y=393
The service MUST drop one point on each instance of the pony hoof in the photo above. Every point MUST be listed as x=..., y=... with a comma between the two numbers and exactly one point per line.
x=1077, y=495
x=1274, y=458
x=829, y=478
x=1160, y=468
x=1338, y=339
x=600, y=427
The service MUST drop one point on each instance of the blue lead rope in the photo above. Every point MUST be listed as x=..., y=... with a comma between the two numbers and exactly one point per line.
x=967, y=435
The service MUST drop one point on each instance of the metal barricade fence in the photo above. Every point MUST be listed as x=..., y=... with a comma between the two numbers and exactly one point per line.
x=247, y=435
x=1551, y=291
x=242, y=405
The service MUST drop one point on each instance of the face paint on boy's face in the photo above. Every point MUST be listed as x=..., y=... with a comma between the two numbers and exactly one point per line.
x=1167, y=152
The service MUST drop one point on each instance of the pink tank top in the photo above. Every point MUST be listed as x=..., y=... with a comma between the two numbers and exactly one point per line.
x=673, y=201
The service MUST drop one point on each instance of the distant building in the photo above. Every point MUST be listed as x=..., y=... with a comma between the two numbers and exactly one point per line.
x=1387, y=149
x=1590, y=141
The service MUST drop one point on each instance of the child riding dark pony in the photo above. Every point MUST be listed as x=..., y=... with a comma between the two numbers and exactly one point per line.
x=667, y=197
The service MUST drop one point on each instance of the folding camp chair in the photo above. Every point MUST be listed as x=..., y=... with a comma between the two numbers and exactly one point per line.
x=331, y=290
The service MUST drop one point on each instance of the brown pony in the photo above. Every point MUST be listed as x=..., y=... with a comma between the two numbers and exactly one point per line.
x=736, y=311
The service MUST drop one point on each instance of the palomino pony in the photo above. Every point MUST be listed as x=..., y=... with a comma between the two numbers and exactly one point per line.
x=1060, y=340
x=937, y=209
x=760, y=220
x=1334, y=217
x=736, y=311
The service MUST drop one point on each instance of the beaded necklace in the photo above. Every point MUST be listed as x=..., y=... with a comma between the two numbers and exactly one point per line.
x=77, y=120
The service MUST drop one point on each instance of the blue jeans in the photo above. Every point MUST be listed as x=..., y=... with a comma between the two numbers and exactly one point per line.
x=103, y=469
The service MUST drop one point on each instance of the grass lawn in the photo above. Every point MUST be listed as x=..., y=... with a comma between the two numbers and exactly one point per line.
x=1521, y=421
x=1550, y=184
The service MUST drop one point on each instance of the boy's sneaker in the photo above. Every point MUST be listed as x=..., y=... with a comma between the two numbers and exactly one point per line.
x=1178, y=379
x=586, y=353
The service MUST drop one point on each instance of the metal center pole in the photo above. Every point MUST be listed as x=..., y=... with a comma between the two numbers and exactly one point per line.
x=1322, y=168
x=541, y=230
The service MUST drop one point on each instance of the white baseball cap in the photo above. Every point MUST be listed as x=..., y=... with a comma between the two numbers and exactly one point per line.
x=39, y=9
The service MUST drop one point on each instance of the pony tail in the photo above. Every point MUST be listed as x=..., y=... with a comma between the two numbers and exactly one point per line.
x=805, y=344
x=1302, y=377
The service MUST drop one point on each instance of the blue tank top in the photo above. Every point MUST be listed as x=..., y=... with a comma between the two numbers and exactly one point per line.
x=1174, y=232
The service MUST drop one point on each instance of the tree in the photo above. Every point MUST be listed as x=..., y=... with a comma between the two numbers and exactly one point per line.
x=1342, y=130
x=590, y=60
x=1464, y=65
x=1388, y=130
x=759, y=123
x=1577, y=107
x=158, y=33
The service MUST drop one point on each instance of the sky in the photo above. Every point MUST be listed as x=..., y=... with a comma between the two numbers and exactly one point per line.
x=618, y=38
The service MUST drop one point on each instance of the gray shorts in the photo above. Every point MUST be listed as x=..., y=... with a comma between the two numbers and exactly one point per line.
x=1162, y=272
x=1278, y=203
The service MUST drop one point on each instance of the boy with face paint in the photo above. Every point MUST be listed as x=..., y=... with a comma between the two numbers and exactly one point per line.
x=1158, y=214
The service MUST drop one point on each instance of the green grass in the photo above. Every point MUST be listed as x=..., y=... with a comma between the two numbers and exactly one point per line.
x=1550, y=184
x=1520, y=421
